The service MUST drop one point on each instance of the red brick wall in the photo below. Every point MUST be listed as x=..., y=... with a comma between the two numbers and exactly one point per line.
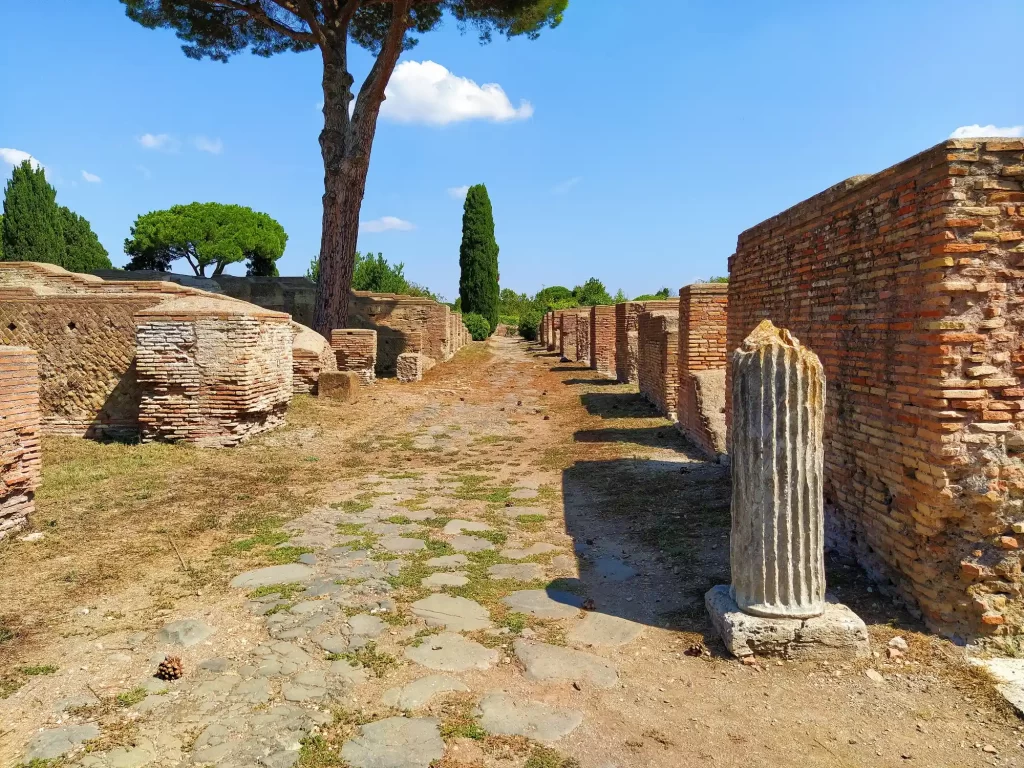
x=626, y=334
x=702, y=346
x=907, y=286
x=583, y=339
x=19, y=436
x=403, y=324
x=567, y=341
x=355, y=349
x=657, y=354
x=602, y=339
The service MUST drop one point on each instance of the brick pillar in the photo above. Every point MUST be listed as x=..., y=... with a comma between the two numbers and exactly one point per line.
x=19, y=436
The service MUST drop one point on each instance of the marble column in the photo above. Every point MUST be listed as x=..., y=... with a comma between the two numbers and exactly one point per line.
x=778, y=415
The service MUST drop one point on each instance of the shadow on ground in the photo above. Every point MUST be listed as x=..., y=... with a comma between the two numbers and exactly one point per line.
x=618, y=405
x=568, y=368
x=592, y=382
x=654, y=437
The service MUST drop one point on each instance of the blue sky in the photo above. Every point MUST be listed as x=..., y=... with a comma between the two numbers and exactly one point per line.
x=633, y=147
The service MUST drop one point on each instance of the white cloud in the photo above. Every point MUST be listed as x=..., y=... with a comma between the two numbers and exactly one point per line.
x=563, y=187
x=205, y=144
x=159, y=141
x=385, y=224
x=459, y=193
x=426, y=92
x=987, y=131
x=92, y=178
x=17, y=157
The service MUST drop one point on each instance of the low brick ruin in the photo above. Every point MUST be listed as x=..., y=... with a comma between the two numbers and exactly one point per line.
x=567, y=337
x=626, y=334
x=703, y=356
x=602, y=339
x=211, y=371
x=19, y=436
x=657, y=355
x=907, y=285
x=412, y=365
x=355, y=349
x=583, y=338
x=311, y=356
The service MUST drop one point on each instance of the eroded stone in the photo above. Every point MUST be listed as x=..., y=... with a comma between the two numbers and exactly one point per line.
x=454, y=613
x=449, y=652
x=551, y=662
x=397, y=742
x=501, y=714
x=418, y=693
x=544, y=604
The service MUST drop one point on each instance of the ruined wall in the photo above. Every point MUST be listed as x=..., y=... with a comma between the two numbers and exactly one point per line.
x=657, y=353
x=906, y=284
x=703, y=317
x=355, y=350
x=583, y=339
x=403, y=324
x=626, y=349
x=602, y=339
x=555, y=340
x=19, y=436
x=567, y=340
x=212, y=372
x=311, y=354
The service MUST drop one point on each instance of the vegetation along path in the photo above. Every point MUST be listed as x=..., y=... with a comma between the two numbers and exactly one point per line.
x=502, y=566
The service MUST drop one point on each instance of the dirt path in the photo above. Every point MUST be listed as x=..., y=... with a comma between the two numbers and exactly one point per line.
x=501, y=566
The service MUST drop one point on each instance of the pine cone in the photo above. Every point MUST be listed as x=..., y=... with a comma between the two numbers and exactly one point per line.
x=171, y=668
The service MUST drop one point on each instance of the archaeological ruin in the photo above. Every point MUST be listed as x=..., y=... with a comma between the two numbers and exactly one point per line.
x=19, y=436
x=657, y=354
x=700, y=403
x=904, y=283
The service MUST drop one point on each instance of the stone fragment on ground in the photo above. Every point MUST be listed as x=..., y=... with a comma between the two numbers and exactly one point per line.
x=517, y=571
x=274, y=574
x=544, y=604
x=449, y=652
x=311, y=684
x=418, y=693
x=539, y=548
x=397, y=742
x=57, y=742
x=503, y=715
x=455, y=613
x=187, y=632
x=550, y=662
x=600, y=629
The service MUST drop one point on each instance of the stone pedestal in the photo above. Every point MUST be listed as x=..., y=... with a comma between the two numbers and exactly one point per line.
x=776, y=604
x=339, y=385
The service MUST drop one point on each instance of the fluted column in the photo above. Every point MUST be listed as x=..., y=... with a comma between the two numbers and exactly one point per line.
x=778, y=408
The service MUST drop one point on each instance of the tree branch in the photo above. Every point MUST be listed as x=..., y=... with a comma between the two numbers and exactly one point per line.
x=255, y=10
x=372, y=89
x=305, y=11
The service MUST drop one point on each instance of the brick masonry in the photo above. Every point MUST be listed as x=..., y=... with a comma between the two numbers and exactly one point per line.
x=657, y=353
x=19, y=436
x=311, y=356
x=703, y=317
x=567, y=338
x=583, y=339
x=355, y=350
x=626, y=338
x=602, y=339
x=908, y=285
x=212, y=372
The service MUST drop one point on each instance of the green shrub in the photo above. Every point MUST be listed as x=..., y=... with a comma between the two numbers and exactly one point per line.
x=478, y=326
x=529, y=323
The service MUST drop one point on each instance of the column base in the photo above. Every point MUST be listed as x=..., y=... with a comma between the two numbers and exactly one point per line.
x=838, y=633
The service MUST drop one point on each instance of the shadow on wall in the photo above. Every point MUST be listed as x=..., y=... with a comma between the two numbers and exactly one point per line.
x=118, y=420
x=618, y=405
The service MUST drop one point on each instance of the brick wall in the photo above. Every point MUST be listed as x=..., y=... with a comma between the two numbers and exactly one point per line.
x=908, y=287
x=403, y=324
x=626, y=334
x=567, y=338
x=583, y=339
x=311, y=354
x=602, y=339
x=212, y=372
x=555, y=340
x=355, y=350
x=657, y=353
x=19, y=436
x=700, y=402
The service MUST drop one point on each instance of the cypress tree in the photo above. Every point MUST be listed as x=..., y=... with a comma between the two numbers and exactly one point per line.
x=32, y=221
x=478, y=257
x=84, y=250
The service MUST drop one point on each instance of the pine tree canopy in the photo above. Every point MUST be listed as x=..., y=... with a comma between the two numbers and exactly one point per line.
x=206, y=234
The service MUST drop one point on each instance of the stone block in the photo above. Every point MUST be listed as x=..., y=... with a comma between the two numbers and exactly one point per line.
x=836, y=634
x=339, y=385
x=410, y=366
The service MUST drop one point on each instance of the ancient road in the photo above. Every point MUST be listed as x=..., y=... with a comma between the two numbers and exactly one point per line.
x=513, y=577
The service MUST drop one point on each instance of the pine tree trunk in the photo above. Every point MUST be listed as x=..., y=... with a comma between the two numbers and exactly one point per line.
x=345, y=146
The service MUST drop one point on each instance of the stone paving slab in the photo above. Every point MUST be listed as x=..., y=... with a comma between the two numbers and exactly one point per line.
x=600, y=629
x=449, y=579
x=517, y=571
x=418, y=693
x=503, y=715
x=448, y=561
x=397, y=742
x=464, y=543
x=539, y=548
x=56, y=742
x=551, y=662
x=544, y=604
x=455, y=527
x=186, y=633
x=454, y=613
x=401, y=544
x=274, y=574
x=448, y=652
